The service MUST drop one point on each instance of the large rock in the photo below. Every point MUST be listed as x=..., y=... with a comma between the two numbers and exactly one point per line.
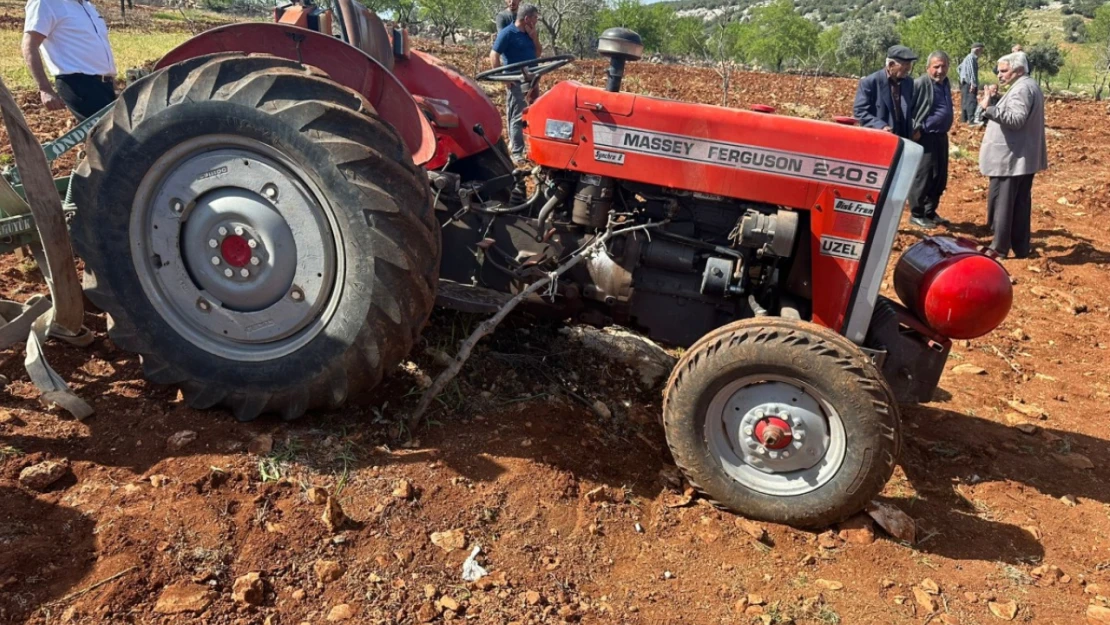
x=651, y=362
x=184, y=598
x=328, y=571
x=1098, y=615
x=248, y=589
x=42, y=475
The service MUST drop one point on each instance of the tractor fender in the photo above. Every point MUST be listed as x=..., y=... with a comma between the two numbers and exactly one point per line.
x=428, y=76
x=343, y=63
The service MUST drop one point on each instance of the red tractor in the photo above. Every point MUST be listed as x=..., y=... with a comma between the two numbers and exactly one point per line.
x=269, y=217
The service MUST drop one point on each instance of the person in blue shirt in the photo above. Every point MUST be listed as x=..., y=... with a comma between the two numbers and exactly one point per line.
x=932, y=118
x=517, y=42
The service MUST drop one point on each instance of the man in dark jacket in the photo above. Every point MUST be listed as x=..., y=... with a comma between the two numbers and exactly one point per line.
x=932, y=118
x=884, y=100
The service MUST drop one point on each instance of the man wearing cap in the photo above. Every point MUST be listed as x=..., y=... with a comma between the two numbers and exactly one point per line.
x=884, y=100
x=73, y=39
x=969, y=83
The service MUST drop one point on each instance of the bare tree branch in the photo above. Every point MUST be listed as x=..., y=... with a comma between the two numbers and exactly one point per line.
x=487, y=327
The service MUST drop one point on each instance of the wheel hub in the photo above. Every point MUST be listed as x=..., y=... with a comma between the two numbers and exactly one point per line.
x=234, y=247
x=773, y=432
x=775, y=435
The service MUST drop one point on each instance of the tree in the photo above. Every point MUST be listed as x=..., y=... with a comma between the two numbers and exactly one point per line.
x=1046, y=60
x=651, y=21
x=866, y=42
x=777, y=34
x=570, y=24
x=1098, y=33
x=826, y=55
x=401, y=11
x=688, y=37
x=953, y=25
x=1086, y=8
x=449, y=16
x=1075, y=29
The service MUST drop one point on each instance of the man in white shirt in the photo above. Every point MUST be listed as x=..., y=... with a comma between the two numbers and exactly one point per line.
x=73, y=39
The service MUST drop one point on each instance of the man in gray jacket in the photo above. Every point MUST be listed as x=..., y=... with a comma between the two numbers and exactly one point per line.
x=1013, y=150
x=932, y=118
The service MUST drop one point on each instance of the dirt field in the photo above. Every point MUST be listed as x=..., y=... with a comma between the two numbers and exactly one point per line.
x=139, y=528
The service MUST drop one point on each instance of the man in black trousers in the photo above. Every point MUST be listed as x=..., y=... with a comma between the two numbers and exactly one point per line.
x=932, y=118
x=73, y=41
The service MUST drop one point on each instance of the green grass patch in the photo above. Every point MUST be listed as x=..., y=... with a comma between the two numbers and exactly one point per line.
x=7, y=451
x=130, y=49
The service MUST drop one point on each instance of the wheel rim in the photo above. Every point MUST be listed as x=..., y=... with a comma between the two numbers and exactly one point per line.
x=775, y=435
x=236, y=248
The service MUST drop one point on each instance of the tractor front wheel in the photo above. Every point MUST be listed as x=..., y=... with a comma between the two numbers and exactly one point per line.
x=256, y=234
x=782, y=421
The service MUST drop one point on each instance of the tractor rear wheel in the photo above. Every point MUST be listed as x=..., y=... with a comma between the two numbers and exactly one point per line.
x=782, y=421
x=257, y=234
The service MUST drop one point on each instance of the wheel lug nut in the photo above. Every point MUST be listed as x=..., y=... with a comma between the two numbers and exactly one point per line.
x=296, y=294
x=269, y=191
x=786, y=454
x=177, y=205
x=213, y=243
x=239, y=230
x=222, y=231
x=254, y=260
x=748, y=431
x=215, y=260
x=252, y=243
x=244, y=273
x=228, y=273
x=203, y=305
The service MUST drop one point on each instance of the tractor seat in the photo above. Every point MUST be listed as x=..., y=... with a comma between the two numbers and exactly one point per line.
x=366, y=32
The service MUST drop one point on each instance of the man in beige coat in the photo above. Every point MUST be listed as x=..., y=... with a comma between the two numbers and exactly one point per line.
x=1013, y=150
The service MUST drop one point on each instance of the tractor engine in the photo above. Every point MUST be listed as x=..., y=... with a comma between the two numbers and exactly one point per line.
x=713, y=259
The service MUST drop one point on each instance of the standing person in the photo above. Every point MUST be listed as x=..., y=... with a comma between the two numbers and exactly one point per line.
x=969, y=83
x=506, y=17
x=517, y=43
x=932, y=118
x=73, y=41
x=1013, y=150
x=884, y=100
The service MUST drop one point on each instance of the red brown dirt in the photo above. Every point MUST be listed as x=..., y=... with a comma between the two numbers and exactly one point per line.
x=508, y=458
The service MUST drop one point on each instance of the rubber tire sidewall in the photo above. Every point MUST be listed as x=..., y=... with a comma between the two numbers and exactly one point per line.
x=106, y=225
x=872, y=438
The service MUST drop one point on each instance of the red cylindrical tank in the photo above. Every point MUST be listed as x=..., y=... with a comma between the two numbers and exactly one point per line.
x=952, y=287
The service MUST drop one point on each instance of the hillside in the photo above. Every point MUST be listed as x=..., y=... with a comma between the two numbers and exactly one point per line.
x=830, y=12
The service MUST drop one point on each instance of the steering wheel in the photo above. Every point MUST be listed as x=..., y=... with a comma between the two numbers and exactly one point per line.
x=525, y=71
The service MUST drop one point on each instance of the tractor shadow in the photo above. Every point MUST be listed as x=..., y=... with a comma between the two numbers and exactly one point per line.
x=468, y=429
x=960, y=466
x=47, y=550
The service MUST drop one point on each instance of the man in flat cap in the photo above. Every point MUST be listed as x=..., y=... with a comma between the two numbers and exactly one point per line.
x=969, y=83
x=884, y=100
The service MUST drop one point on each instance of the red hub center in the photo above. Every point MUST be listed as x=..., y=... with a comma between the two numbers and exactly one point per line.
x=773, y=433
x=236, y=251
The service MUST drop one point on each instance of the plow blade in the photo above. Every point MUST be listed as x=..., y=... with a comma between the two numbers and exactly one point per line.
x=63, y=319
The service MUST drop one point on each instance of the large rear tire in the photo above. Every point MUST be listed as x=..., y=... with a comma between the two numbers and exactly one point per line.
x=782, y=421
x=257, y=234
